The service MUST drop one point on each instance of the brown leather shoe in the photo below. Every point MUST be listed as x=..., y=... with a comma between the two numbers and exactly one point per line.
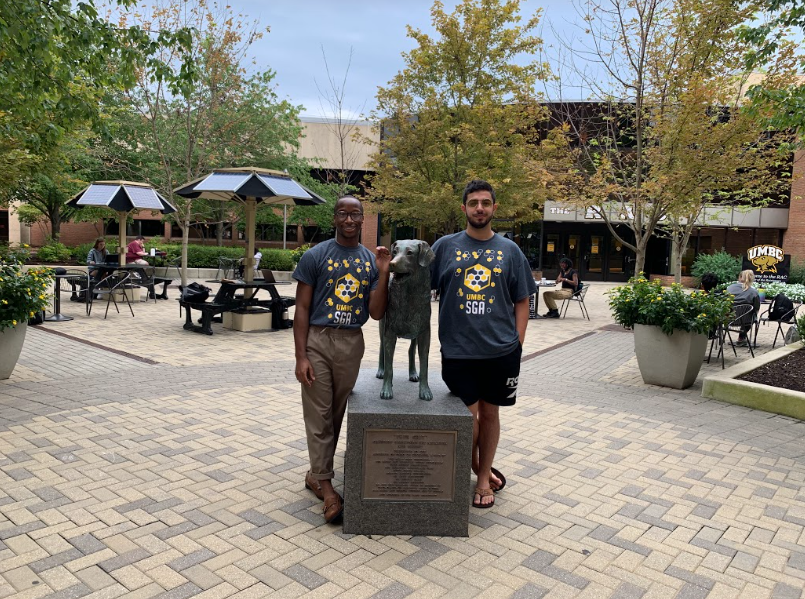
x=333, y=508
x=313, y=485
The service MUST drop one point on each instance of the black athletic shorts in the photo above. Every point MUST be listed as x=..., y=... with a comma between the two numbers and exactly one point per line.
x=494, y=380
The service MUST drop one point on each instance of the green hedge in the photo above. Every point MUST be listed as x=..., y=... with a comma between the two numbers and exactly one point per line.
x=206, y=256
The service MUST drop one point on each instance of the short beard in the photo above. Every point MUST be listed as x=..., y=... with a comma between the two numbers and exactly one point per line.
x=477, y=225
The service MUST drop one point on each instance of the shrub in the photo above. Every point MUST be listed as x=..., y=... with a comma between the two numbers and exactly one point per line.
x=277, y=259
x=53, y=251
x=206, y=256
x=801, y=328
x=646, y=302
x=796, y=273
x=721, y=264
x=299, y=252
x=22, y=293
x=79, y=252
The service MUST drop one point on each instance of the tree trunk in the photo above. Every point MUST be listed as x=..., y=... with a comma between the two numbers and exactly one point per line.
x=185, y=226
x=640, y=256
x=55, y=225
x=219, y=234
x=680, y=239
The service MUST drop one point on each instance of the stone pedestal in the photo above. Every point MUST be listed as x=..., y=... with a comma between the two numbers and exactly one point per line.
x=408, y=462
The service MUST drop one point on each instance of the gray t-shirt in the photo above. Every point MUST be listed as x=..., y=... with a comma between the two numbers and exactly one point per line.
x=745, y=296
x=478, y=283
x=342, y=278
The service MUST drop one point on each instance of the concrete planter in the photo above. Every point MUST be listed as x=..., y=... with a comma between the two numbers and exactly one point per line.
x=11, y=340
x=725, y=387
x=668, y=360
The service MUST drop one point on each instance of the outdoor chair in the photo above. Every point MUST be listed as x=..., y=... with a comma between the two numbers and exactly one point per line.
x=77, y=283
x=743, y=315
x=114, y=285
x=789, y=318
x=577, y=296
x=177, y=264
x=225, y=266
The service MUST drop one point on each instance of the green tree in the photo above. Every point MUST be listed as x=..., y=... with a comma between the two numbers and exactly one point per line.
x=226, y=119
x=668, y=137
x=62, y=172
x=463, y=107
x=58, y=58
x=774, y=37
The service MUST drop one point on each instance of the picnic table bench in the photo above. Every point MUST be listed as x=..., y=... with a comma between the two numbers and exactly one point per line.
x=225, y=300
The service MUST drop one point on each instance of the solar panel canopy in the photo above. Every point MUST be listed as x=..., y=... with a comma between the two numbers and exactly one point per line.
x=285, y=187
x=98, y=195
x=143, y=197
x=223, y=182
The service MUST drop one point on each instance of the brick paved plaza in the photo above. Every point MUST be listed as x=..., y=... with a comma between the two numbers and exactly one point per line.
x=141, y=460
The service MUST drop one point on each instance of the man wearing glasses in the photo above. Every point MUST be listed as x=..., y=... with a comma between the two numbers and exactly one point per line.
x=484, y=282
x=340, y=284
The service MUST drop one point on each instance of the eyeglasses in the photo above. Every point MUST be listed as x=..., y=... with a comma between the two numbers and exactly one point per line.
x=474, y=203
x=355, y=216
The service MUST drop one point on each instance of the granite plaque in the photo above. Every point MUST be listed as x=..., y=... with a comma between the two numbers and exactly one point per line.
x=408, y=462
x=409, y=465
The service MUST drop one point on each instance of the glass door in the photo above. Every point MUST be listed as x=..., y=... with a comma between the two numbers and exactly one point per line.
x=594, y=258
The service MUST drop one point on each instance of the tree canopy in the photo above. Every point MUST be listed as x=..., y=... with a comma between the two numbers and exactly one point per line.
x=464, y=107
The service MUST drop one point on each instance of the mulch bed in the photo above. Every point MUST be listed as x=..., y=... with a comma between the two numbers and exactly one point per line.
x=787, y=372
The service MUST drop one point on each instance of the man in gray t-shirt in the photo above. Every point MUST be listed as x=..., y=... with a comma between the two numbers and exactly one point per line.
x=484, y=283
x=340, y=284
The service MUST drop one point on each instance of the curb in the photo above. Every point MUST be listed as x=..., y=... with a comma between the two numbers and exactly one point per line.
x=725, y=387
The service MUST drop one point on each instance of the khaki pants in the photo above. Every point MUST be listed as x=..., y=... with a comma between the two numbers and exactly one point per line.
x=550, y=297
x=335, y=355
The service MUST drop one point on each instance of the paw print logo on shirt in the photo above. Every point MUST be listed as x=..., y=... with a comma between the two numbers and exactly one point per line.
x=346, y=289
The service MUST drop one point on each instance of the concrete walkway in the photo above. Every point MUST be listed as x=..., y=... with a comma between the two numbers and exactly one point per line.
x=141, y=460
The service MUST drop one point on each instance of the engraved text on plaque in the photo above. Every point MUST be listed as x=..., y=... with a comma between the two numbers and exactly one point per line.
x=409, y=465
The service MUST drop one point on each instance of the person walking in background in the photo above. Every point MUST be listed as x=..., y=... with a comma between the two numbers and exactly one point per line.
x=340, y=285
x=569, y=279
x=484, y=282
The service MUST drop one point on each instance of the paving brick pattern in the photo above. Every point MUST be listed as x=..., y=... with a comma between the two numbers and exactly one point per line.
x=182, y=476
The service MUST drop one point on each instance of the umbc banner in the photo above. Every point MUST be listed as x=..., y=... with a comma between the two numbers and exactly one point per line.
x=768, y=263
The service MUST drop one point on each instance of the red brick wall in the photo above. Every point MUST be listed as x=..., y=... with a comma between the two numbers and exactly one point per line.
x=794, y=238
x=370, y=226
x=72, y=234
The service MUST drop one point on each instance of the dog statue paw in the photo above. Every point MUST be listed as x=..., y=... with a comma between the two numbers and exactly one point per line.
x=425, y=393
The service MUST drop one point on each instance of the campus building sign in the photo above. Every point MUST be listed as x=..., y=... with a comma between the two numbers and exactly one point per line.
x=768, y=262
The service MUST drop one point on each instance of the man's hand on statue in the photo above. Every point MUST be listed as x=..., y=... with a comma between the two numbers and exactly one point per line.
x=382, y=258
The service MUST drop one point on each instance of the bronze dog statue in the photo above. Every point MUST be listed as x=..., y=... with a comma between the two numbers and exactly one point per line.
x=407, y=315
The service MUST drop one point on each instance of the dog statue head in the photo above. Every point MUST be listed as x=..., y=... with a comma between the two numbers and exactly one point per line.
x=410, y=255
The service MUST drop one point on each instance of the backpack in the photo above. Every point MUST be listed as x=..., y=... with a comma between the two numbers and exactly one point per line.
x=781, y=305
x=195, y=293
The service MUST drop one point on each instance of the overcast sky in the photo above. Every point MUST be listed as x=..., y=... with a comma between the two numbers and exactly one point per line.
x=374, y=29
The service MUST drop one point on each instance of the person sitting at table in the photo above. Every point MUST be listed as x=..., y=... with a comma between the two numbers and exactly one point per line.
x=569, y=279
x=745, y=294
x=709, y=282
x=258, y=255
x=97, y=255
x=135, y=252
